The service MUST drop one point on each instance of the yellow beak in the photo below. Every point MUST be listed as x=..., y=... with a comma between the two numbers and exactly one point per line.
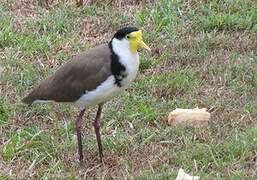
x=144, y=46
x=137, y=41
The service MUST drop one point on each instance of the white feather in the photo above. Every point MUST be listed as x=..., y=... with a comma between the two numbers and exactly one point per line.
x=102, y=93
x=42, y=101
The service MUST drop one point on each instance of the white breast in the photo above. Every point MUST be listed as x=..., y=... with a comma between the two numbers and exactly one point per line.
x=106, y=91
x=131, y=62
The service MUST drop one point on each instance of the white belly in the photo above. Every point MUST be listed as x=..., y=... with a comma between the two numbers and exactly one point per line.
x=106, y=91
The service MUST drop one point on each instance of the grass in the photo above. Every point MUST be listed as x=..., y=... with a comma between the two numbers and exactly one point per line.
x=203, y=53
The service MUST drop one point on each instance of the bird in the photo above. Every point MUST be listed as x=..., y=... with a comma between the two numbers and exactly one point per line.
x=92, y=78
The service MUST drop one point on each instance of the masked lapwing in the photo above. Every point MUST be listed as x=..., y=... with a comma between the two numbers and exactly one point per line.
x=93, y=77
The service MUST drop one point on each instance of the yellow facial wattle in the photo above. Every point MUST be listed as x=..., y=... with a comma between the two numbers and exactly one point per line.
x=136, y=41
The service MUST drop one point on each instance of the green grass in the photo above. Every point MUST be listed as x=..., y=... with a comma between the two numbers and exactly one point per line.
x=203, y=53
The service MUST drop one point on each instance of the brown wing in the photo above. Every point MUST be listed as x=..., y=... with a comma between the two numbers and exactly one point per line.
x=83, y=73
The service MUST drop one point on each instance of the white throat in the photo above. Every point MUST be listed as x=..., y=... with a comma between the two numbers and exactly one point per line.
x=121, y=46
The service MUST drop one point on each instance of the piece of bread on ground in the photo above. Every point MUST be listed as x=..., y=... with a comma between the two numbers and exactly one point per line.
x=189, y=117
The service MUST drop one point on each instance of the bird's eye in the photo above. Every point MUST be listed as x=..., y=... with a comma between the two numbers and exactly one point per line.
x=128, y=36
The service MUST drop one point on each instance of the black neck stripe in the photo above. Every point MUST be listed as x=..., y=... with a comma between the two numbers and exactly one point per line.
x=118, y=69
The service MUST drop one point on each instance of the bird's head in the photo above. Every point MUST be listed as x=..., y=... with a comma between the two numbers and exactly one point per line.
x=130, y=37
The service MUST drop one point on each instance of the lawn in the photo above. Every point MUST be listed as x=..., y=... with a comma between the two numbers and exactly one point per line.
x=204, y=53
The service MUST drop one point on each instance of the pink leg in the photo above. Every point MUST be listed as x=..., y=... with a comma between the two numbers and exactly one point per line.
x=78, y=130
x=97, y=131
